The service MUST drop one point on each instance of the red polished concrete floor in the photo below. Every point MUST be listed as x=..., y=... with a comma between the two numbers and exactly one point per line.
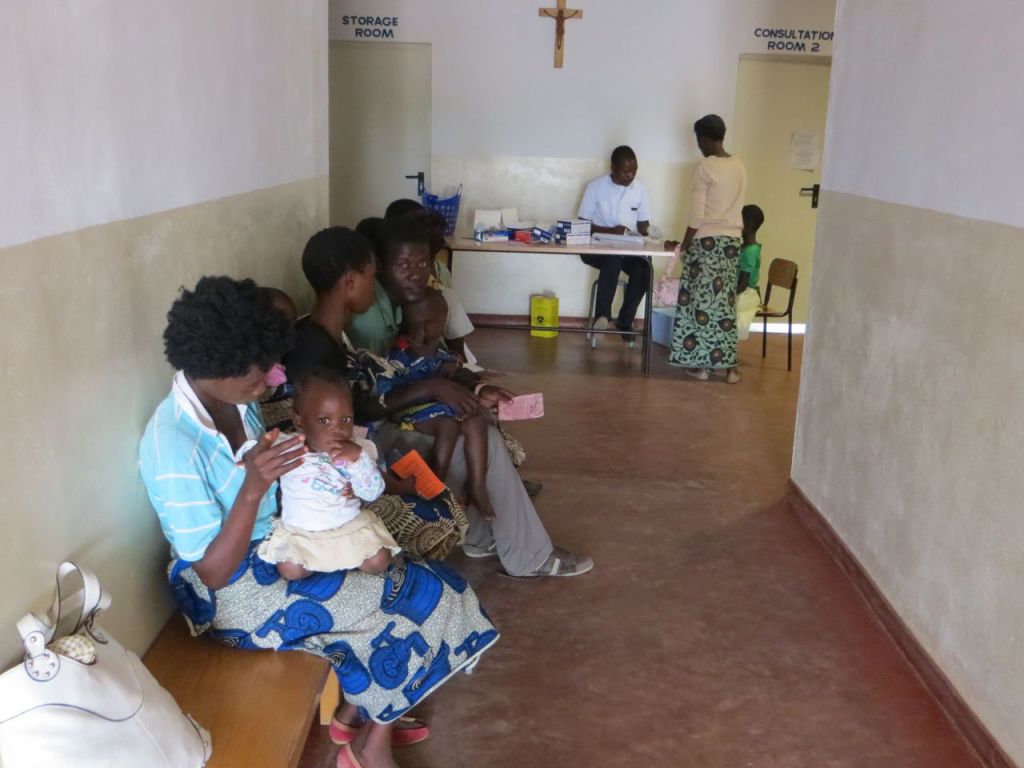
x=713, y=632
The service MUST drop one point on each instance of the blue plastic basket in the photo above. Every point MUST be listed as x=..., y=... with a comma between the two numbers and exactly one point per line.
x=446, y=206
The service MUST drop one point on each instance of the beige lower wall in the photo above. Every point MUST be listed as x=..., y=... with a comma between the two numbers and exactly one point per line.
x=83, y=314
x=909, y=432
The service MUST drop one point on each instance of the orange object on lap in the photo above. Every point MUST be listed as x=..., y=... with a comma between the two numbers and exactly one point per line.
x=428, y=485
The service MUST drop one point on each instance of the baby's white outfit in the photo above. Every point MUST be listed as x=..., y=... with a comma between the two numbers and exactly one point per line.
x=321, y=528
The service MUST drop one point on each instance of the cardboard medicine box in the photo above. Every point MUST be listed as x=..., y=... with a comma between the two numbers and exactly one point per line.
x=572, y=239
x=492, y=236
x=573, y=227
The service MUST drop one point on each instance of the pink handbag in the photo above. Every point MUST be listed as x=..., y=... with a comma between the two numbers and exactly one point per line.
x=666, y=289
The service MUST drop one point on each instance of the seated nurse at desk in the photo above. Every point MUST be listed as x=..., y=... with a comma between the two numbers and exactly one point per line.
x=617, y=203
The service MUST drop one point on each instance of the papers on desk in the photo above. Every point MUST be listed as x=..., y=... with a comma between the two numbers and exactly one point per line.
x=621, y=241
x=504, y=218
x=485, y=220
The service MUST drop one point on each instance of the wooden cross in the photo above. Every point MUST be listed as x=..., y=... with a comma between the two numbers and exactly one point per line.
x=560, y=14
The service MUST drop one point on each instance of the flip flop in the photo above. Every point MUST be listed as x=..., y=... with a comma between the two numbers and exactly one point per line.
x=347, y=759
x=560, y=563
x=343, y=733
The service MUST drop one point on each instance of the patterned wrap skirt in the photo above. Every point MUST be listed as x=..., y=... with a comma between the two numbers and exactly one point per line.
x=704, y=333
x=392, y=639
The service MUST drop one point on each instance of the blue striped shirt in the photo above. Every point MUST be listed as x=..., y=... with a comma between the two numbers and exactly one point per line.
x=191, y=474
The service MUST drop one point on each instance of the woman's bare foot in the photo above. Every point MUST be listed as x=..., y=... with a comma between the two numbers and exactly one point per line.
x=406, y=730
x=348, y=714
x=733, y=376
x=700, y=374
x=372, y=746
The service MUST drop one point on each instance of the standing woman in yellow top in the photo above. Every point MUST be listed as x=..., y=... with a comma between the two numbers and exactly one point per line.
x=704, y=334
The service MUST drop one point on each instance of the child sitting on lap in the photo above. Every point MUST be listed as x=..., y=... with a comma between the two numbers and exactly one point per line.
x=322, y=527
x=418, y=352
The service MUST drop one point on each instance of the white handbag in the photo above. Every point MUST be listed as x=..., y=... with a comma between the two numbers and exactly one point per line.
x=101, y=708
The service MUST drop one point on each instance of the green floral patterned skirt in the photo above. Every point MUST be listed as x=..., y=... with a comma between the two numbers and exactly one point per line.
x=704, y=334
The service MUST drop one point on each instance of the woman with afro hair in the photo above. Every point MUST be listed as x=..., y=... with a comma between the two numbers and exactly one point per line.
x=211, y=473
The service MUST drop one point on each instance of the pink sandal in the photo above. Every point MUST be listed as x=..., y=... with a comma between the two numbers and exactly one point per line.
x=347, y=759
x=343, y=733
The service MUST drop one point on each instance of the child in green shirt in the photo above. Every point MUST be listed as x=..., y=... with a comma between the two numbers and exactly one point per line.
x=748, y=294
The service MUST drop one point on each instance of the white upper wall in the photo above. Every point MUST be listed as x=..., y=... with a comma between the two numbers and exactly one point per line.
x=637, y=73
x=117, y=109
x=907, y=143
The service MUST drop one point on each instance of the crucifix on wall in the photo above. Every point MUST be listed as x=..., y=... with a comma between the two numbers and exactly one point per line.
x=560, y=14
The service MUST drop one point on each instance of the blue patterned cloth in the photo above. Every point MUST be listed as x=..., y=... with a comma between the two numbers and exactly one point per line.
x=412, y=368
x=392, y=638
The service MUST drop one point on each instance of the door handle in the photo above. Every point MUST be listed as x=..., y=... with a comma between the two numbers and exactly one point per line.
x=421, y=186
x=804, y=192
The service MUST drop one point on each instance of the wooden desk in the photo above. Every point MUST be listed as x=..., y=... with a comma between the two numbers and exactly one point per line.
x=469, y=246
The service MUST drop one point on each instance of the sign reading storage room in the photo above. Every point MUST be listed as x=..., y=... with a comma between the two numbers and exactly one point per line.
x=371, y=27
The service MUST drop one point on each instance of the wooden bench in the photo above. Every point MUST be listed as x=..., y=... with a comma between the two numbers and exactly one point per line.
x=257, y=705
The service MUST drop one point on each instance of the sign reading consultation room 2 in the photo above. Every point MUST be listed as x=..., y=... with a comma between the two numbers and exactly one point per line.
x=807, y=40
x=378, y=27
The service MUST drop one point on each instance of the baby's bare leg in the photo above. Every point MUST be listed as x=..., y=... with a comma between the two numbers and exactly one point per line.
x=474, y=434
x=292, y=571
x=445, y=431
x=377, y=563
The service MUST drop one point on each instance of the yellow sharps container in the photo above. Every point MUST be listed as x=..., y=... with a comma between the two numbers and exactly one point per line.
x=544, y=311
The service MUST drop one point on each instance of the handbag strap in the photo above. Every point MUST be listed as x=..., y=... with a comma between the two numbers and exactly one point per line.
x=72, y=610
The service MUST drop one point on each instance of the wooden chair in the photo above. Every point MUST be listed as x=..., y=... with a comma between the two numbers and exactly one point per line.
x=781, y=273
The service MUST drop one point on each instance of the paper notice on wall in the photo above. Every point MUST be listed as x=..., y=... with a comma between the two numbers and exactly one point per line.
x=805, y=150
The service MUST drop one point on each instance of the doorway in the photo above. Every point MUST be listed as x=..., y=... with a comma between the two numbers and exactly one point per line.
x=781, y=107
x=379, y=115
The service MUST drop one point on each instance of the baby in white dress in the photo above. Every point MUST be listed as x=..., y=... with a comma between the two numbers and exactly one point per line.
x=323, y=526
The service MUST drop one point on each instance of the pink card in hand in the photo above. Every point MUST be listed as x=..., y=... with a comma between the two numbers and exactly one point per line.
x=522, y=407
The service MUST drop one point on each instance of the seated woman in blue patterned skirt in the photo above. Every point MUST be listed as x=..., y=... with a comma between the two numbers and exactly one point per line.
x=211, y=473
